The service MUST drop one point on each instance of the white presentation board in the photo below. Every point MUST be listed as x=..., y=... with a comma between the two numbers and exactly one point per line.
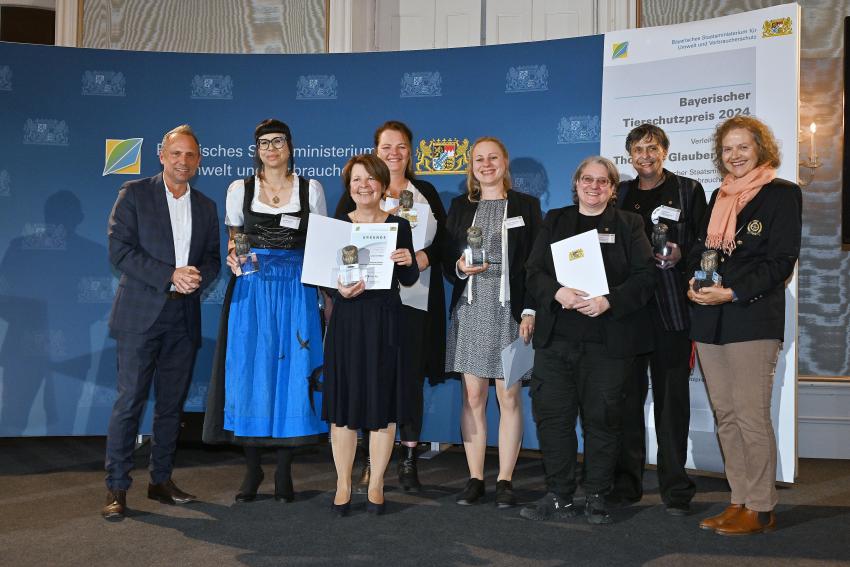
x=686, y=79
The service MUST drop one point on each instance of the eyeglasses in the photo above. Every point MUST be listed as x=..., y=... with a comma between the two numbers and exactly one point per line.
x=276, y=143
x=603, y=182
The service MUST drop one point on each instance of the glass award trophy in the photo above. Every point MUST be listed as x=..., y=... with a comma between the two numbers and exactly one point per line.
x=659, y=241
x=349, y=272
x=474, y=254
x=707, y=275
x=405, y=208
x=248, y=263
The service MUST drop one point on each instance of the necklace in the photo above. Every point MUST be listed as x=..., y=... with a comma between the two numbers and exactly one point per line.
x=274, y=198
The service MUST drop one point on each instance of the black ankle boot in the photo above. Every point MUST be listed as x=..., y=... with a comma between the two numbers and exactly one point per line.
x=253, y=476
x=408, y=473
x=283, y=489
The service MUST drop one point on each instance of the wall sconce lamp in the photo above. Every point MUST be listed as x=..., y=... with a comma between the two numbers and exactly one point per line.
x=813, y=161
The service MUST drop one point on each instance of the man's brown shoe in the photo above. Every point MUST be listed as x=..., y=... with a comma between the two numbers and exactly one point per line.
x=715, y=522
x=116, y=505
x=748, y=522
x=168, y=493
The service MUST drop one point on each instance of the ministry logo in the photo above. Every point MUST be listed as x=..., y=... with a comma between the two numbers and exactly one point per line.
x=46, y=132
x=777, y=27
x=5, y=184
x=578, y=129
x=123, y=157
x=44, y=236
x=5, y=78
x=316, y=87
x=96, y=290
x=212, y=87
x=527, y=78
x=421, y=84
x=442, y=156
x=620, y=50
x=103, y=83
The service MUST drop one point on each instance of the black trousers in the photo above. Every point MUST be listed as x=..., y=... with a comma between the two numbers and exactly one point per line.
x=163, y=355
x=670, y=368
x=570, y=380
x=415, y=341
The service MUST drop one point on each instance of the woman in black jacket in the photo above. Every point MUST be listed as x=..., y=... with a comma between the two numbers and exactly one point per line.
x=423, y=331
x=585, y=346
x=753, y=225
x=489, y=309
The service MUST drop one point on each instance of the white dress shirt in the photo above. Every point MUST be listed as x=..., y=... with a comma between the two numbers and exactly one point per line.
x=180, y=213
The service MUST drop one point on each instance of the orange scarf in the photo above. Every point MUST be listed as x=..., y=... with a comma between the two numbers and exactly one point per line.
x=735, y=193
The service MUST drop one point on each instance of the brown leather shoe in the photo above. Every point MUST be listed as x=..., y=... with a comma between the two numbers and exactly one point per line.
x=116, y=505
x=715, y=522
x=168, y=493
x=748, y=522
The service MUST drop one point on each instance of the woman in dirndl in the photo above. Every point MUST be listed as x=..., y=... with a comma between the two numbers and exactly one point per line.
x=263, y=391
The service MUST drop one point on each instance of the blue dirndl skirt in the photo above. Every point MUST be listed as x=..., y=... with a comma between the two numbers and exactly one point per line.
x=274, y=352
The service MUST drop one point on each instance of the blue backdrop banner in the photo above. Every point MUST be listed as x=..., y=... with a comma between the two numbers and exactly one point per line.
x=77, y=123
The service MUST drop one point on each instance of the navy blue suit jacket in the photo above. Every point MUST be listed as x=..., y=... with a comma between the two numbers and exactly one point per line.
x=141, y=247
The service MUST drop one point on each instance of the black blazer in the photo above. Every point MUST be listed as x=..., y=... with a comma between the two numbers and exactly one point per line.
x=520, y=241
x=630, y=270
x=141, y=247
x=435, y=358
x=688, y=196
x=767, y=248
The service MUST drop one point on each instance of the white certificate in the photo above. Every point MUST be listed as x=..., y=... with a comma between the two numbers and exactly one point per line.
x=375, y=242
x=517, y=360
x=416, y=295
x=326, y=238
x=322, y=257
x=578, y=263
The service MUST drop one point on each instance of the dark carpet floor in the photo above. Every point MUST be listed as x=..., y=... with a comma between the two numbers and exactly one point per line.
x=52, y=490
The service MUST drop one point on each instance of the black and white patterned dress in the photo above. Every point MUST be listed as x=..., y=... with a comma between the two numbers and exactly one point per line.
x=479, y=330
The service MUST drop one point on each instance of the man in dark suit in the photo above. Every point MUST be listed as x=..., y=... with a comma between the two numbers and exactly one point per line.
x=164, y=239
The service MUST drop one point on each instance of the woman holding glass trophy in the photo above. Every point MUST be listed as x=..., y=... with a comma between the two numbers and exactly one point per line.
x=268, y=358
x=492, y=229
x=365, y=375
x=423, y=328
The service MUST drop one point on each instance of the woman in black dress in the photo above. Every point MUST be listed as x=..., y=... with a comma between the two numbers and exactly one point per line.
x=423, y=331
x=365, y=380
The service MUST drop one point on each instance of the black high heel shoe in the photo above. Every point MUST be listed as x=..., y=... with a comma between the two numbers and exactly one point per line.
x=250, y=484
x=376, y=509
x=341, y=510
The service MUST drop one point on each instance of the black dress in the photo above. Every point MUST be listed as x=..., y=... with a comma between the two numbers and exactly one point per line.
x=364, y=374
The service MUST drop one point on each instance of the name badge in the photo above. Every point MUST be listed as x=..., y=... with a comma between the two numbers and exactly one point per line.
x=606, y=238
x=290, y=221
x=665, y=212
x=514, y=222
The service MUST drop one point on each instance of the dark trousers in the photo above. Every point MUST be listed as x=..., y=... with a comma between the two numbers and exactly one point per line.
x=570, y=380
x=415, y=340
x=163, y=355
x=670, y=368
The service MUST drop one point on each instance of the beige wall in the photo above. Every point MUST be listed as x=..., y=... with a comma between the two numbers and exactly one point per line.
x=205, y=26
x=824, y=345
